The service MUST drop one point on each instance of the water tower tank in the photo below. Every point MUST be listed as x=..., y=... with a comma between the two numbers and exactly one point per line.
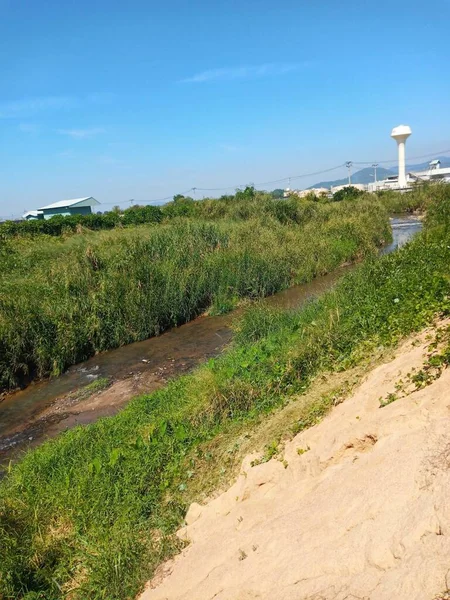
x=400, y=135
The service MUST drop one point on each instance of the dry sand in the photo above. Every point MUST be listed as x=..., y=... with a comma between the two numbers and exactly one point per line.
x=363, y=514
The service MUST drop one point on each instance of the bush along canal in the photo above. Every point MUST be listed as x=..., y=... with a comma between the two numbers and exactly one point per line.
x=102, y=385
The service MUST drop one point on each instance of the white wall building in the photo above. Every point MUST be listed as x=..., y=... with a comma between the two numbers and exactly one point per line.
x=433, y=173
x=358, y=186
x=405, y=180
x=315, y=191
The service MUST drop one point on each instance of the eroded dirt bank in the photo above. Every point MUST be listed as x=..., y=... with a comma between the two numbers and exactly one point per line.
x=358, y=510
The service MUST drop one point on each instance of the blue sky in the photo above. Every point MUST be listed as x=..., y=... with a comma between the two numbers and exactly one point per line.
x=142, y=100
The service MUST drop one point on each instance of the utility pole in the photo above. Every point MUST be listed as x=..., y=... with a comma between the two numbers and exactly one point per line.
x=375, y=165
x=349, y=164
x=194, y=189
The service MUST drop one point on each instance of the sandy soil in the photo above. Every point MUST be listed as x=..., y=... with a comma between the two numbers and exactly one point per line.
x=360, y=512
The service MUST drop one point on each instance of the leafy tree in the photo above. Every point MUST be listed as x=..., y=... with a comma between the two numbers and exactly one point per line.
x=182, y=206
x=137, y=215
x=247, y=194
x=277, y=194
x=349, y=192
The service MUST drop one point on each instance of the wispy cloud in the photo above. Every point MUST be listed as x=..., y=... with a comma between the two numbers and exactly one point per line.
x=29, y=128
x=101, y=97
x=66, y=153
x=243, y=72
x=31, y=106
x=230, y=148
x=105, y=159
x=28, y=107
x=80, y=134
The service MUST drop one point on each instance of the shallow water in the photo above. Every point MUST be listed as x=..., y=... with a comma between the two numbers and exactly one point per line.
x=27, y=418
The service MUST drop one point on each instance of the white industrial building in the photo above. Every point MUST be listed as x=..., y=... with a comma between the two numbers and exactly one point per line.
x=433, y=173
x=317, y=192
x=359, y=186
x=405, y=180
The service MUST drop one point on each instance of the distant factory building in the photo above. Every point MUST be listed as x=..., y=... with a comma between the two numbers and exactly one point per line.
x=358, y=186
x=405, y=180
x=65, y=208
x=32, y=215
x=317, y=192
x=433, y=173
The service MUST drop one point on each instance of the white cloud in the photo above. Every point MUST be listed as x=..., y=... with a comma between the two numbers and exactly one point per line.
x=242, y=72
x=31, y=106
x=105, y=159
x=28, y=107
x=66, y=153
x=29, y=128
x=230, y=147
x=81, y=133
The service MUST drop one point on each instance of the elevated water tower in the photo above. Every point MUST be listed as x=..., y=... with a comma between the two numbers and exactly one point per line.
x=400, y=135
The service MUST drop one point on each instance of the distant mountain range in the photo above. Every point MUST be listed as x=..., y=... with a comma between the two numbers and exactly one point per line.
x=366, y=175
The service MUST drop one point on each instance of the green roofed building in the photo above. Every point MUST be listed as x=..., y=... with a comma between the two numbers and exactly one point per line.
x=77, y=206
x=32, y=215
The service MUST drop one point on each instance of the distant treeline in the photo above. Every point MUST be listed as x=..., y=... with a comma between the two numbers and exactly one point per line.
x=60, y=224
x=239, y=206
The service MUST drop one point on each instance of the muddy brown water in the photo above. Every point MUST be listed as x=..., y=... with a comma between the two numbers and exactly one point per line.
x=44, y=409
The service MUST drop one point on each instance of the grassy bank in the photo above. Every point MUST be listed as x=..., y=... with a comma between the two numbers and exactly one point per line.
x=64, y=299
x=242, y=205
x=90, y=514
x=418, y=200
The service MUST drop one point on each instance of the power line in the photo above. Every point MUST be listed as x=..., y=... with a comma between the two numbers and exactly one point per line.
x=349, y=165
x=288, y=179
x=396, y=158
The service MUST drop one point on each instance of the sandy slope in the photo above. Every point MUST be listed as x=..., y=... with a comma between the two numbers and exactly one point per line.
x=363, y=514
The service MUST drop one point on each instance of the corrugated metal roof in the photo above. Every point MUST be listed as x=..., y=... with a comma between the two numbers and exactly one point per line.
x=31, y=213
x=67, y=203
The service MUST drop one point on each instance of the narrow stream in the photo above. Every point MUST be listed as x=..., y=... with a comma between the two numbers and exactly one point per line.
x=46, y=408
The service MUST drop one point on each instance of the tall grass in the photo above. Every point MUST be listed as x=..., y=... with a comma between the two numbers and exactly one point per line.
x=64, y=299
x=417, y=200
x=91, y=513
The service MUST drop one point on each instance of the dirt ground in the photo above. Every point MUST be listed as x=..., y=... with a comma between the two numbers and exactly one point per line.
x=357, y=509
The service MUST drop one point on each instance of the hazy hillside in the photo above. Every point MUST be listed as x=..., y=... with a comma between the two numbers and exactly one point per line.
x=363, y=176
x=366, y=175
x=445, y=162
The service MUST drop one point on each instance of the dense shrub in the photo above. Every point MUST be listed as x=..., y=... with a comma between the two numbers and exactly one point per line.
x=59, y=224
x=349, y=192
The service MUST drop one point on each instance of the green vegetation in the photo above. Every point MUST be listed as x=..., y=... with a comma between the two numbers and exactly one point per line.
x=89, y=390
x=349, y=192
x=242, y=205
x=62, y=299
x=59, y=224
x=438, y=360
x=418, y=200
x=91, y=513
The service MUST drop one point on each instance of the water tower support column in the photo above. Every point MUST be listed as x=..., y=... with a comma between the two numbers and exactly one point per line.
x=400, y=135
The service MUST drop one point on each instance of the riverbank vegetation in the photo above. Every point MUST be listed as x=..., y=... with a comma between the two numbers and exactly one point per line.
x=64, y=299
x=93, y=512
x=241, y=205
